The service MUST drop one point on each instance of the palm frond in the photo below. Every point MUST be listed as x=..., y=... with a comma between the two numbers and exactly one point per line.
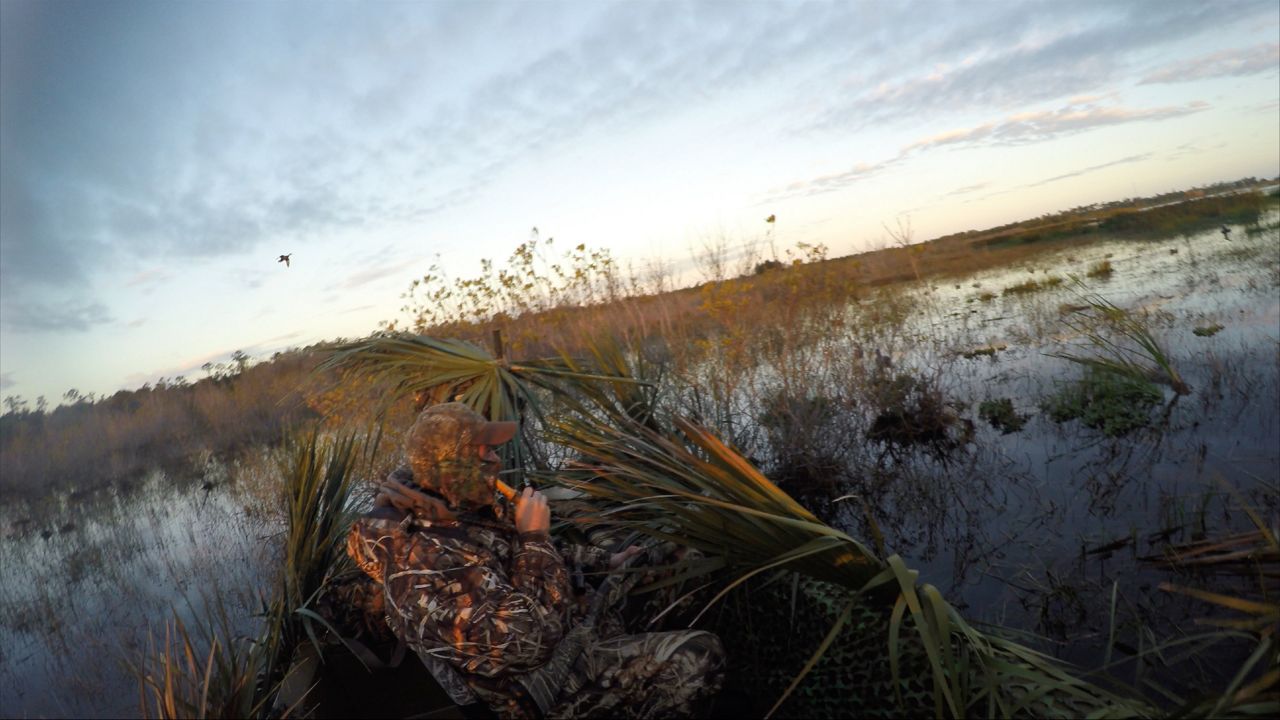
x=687, y=485
x=448, y=369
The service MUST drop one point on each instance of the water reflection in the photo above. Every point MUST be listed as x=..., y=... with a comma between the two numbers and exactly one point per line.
x=84, y=580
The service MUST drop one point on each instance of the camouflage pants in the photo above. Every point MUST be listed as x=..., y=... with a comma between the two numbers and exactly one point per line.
x=652, y=675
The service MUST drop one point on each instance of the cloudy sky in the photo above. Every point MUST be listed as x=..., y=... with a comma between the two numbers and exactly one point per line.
x=155, y=158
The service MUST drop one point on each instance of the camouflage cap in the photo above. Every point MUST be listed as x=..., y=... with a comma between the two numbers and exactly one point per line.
x=439, y=450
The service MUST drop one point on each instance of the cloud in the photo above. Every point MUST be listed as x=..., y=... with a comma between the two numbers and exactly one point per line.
x=69, y=316
x=1074, y=173
x=373, y=274
x=1092, y=168
x=1005, y=57
x=1039, y=126
x=829, y=183
x=6, y=381
x=968, y=189
x=1263, y=107
x=1021, y=128
x=1193, y=147
x=149, y=280
x=191, y=365
x=1227, y=63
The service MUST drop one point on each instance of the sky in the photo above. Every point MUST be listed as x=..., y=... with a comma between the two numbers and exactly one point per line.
x=157, y=158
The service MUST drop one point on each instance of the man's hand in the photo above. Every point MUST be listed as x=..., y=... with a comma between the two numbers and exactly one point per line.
x=532, y=513
x=400, y=496
x=618, y=558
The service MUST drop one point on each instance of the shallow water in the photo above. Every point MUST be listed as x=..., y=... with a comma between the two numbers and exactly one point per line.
x=1023, y=515
x=86, y=582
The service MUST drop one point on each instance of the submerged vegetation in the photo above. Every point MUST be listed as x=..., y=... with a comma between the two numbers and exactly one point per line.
x=1113, y=402
x=1001, y=415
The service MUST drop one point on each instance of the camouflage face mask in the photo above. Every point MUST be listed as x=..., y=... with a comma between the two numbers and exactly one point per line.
x=441, y=449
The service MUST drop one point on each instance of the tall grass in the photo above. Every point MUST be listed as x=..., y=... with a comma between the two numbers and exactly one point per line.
x=1123, y=343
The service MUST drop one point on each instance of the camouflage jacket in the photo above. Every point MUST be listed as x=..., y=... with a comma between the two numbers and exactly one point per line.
x=472, y=593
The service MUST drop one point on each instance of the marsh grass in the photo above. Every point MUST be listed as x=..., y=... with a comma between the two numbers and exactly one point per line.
x=1255, y=610
x=1124, y=343
x=179, y=679
x=1100, y=269
x=1189, y=217
x=1115, y=403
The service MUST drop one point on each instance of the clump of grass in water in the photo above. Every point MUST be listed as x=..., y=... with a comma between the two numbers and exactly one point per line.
x=178, y=681
x=912, y=411
x=1022, y=288
x=1101, y=269
x=1105, y=400
x=1001, y=415
x=1133, y=351
x=988, y=351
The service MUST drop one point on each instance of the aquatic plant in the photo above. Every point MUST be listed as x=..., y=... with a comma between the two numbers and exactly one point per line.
x=1115, y=403
x=1001, y=415
x=178, y=679
x=1124, y=343
x=1100, y=269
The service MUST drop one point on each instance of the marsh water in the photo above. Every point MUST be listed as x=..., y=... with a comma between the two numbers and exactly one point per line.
x=1035, y=529
x=1031, y=530
x=89, y=581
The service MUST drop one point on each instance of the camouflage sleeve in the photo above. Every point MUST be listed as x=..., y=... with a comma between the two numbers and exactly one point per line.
x=372, y=539
x=459, y=606
x=590, y=558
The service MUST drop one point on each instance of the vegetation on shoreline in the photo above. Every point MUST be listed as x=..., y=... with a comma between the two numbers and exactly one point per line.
x=541, y=303
x=88, y=444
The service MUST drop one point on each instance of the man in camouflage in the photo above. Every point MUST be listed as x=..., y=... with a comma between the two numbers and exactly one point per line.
x=484, y=602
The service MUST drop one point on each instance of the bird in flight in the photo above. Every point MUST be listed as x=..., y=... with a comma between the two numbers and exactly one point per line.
x=285, y=259
x=1226, y=232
